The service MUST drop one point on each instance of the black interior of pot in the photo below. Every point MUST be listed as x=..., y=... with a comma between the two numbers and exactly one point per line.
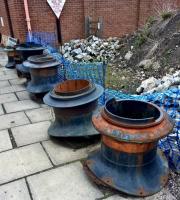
x=29, y=45
x=132, y=111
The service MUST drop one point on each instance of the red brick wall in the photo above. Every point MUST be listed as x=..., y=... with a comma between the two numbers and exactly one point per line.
x=5, y=30
x=17, y=14
x=119, y=17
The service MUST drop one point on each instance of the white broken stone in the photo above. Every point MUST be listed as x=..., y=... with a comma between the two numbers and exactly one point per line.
x=128, y=55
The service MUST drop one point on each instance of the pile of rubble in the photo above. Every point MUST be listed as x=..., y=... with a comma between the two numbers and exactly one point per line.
x=152, y=84
x=92, y=49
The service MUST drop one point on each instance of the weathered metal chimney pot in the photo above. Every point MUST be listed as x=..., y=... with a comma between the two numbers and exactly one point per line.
x=44, y=73
x=74, y=102
x=129, y=160
x=25, y=51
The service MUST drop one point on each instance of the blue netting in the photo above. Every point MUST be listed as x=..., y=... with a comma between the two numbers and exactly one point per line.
x=96, y=72
x=48, y=40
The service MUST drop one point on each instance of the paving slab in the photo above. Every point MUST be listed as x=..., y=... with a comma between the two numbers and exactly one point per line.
x=20, y=105
x=23, y=95
x=60, y=154
x=13, y=88
x=67, y=183
x=11, y=71
x=6, y=98
x=1, y=110
x=31, y=133
x=12, y=120
x=4, y=84
x=164, y=194
x=21, y=162
x=3, y=58
x=5, y=142
x=41, y=114
x=8, y=76
x=18, y=81
x=16, y=190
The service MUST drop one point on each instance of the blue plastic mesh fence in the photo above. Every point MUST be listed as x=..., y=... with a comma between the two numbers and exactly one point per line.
x=47, y=39
x=96, y=72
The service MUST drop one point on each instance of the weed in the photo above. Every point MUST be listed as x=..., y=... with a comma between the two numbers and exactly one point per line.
x=142, y=36
x=165, y=10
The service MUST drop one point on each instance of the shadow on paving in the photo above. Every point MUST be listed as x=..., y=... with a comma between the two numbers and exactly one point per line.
x=77, y=143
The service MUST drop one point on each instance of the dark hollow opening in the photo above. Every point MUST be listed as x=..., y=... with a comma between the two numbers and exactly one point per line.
x=131, y=109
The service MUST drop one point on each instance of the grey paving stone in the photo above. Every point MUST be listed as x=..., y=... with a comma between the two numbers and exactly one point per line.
x=20, y=105
x=12, y=120
x=118, y=197
x=41, y=114
x=3, y=58
x=18, y=81
x=21, y=162
x=5, y=142
x=67, y=183
x=11, y=71
x=164, y=194
x=4, y=84
x=60, y=154
x=31, y=133
x=23, y=95
x=5, y=98
x=16, y=190
x=1, y=110
x=8, y=76
x=13, y=88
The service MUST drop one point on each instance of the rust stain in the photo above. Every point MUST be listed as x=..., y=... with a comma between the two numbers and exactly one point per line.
x=127, y=147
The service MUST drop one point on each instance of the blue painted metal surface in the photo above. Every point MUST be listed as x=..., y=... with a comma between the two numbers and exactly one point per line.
x=128, y=160
x=44, y=73
x=39, y=84
x=56, y=103
x=73, y=116
x=29, y=49
x=120, y=171
x=11, y=62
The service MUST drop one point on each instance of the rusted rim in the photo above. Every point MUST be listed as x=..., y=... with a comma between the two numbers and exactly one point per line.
x=72, y=87
x=132, y=113
x=60, y=97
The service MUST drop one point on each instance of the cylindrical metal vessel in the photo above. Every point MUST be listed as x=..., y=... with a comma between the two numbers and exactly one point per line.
x=129, y=159
x=74, y=102
x=44, y=73
x=25, y=51
x=11, y=62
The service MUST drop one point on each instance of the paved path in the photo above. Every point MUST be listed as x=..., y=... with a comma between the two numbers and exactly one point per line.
x=33, y=166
